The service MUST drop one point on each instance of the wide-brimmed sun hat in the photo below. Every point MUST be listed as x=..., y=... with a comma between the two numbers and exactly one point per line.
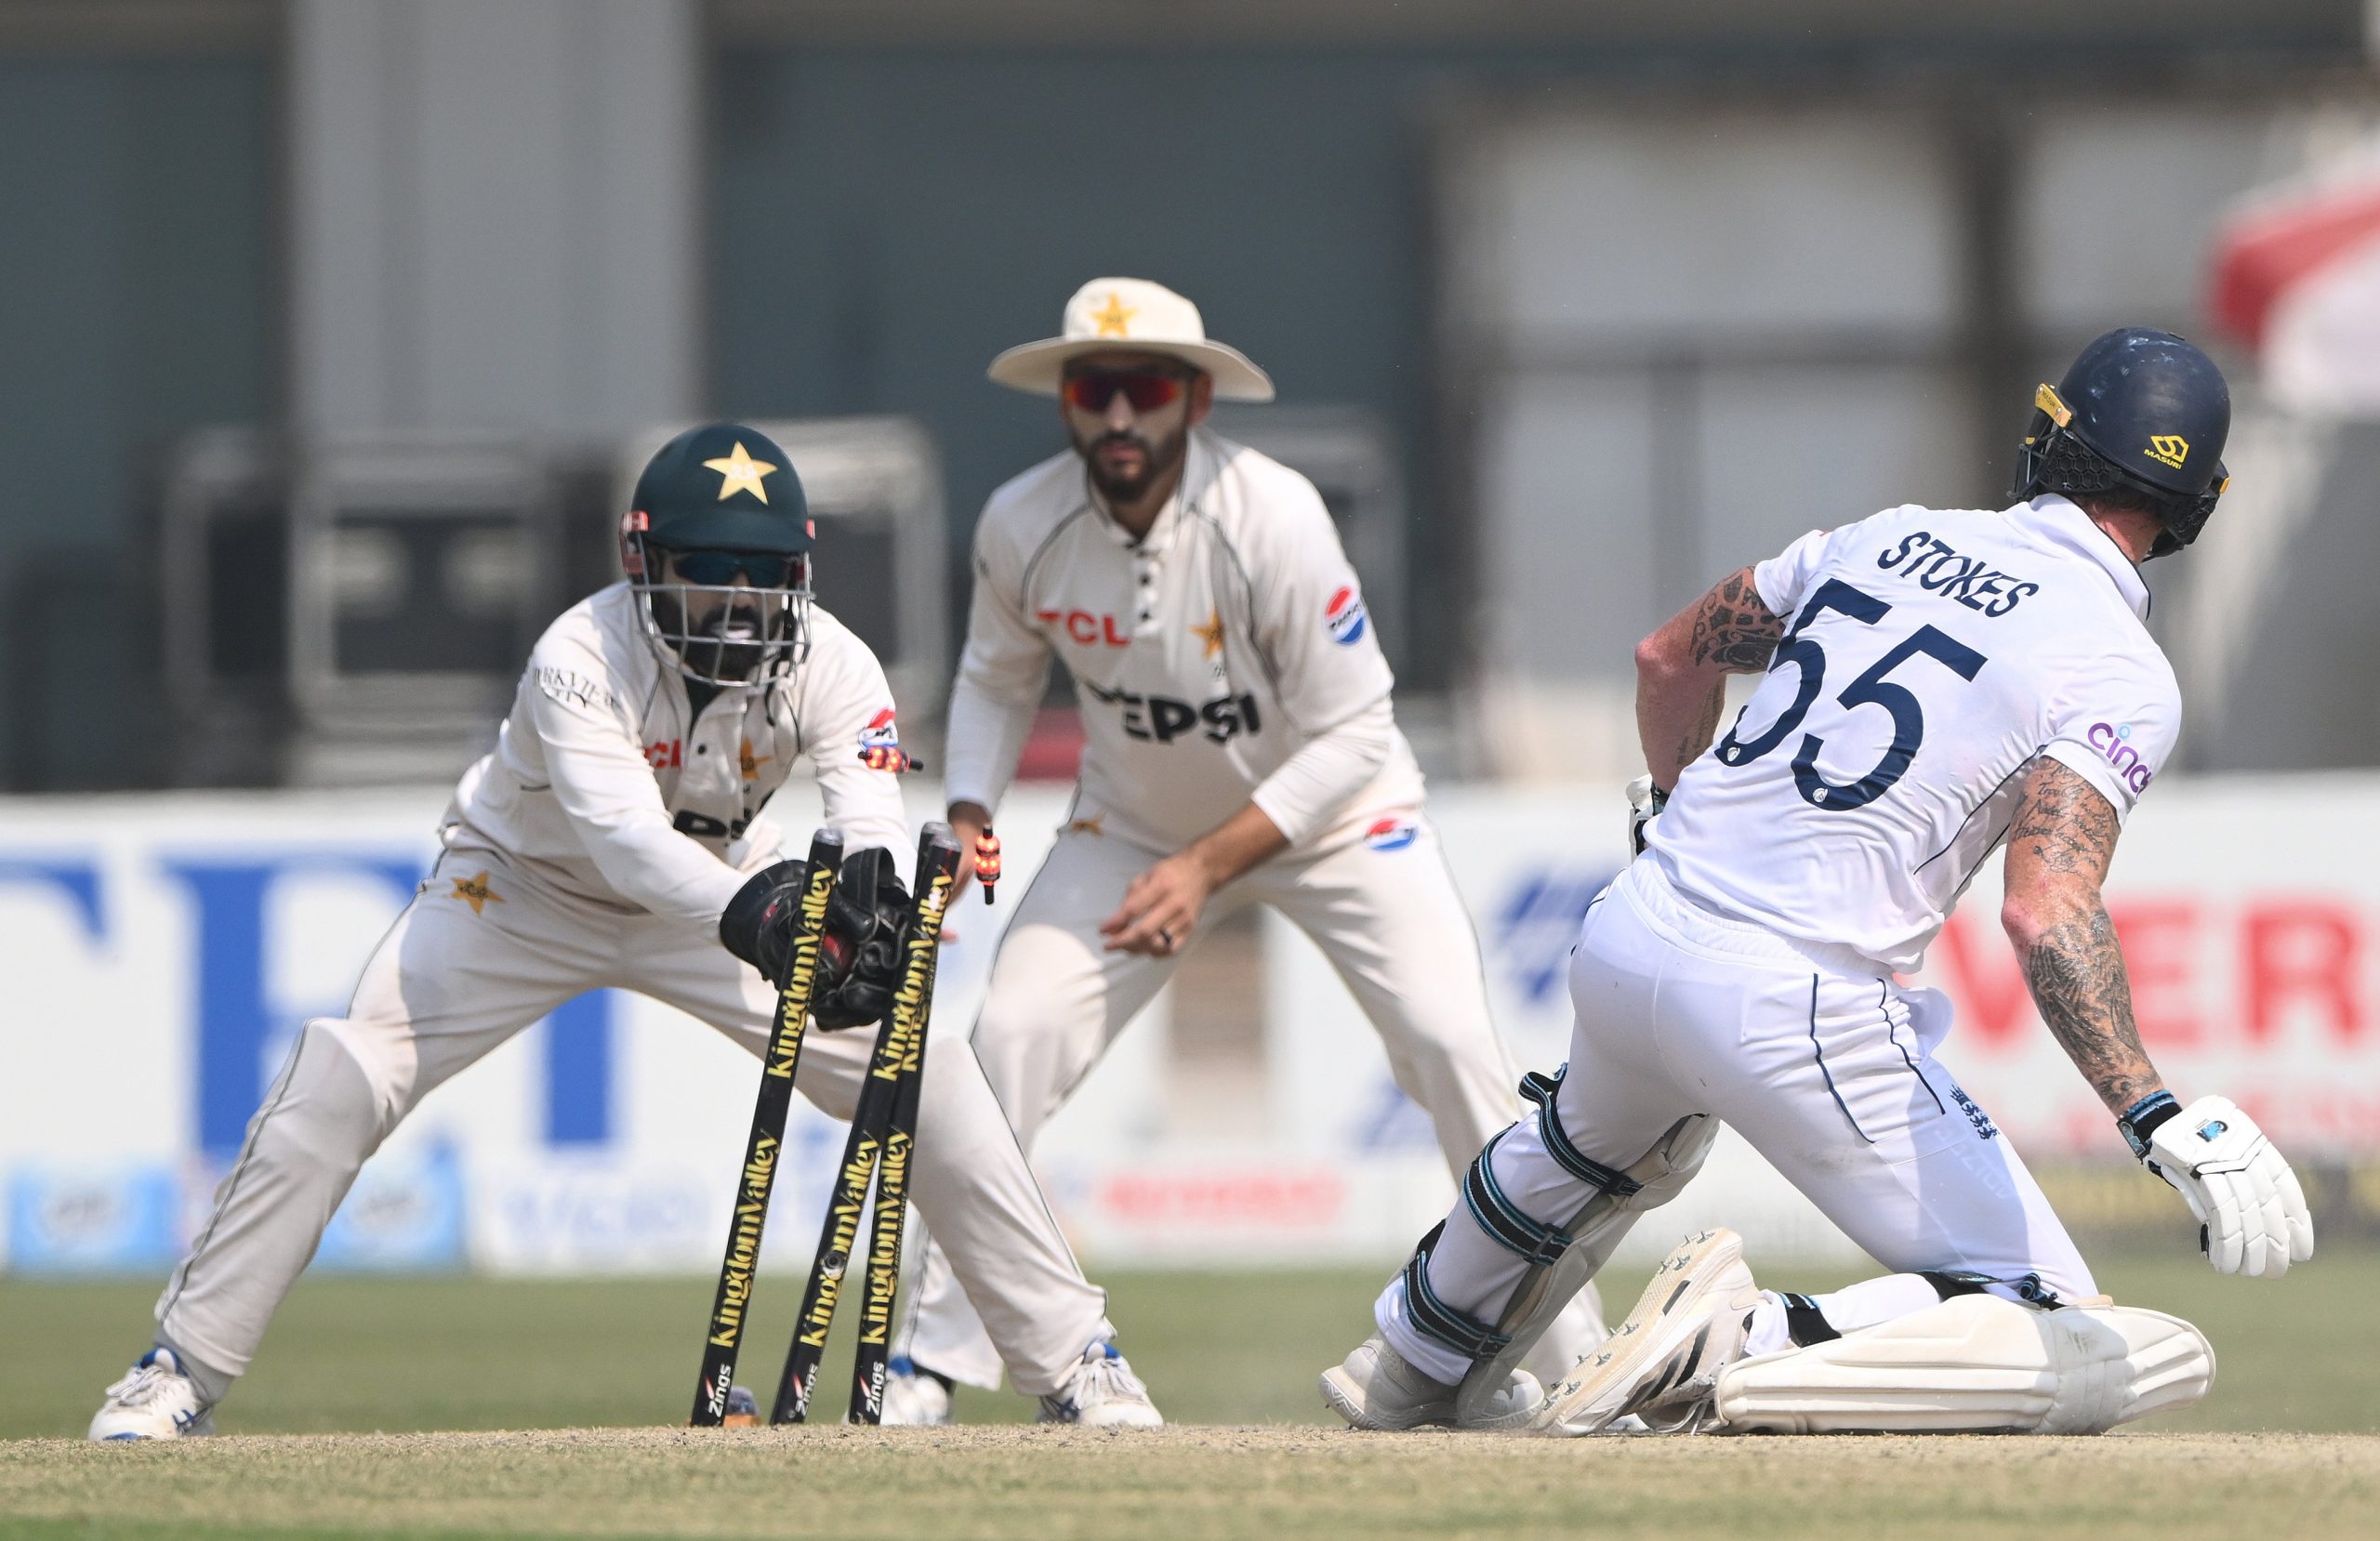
x=1110, y=315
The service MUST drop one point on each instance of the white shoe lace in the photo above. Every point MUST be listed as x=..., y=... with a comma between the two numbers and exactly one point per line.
x=142, y=1386
x=1099, y=1378
x=1105, y=1379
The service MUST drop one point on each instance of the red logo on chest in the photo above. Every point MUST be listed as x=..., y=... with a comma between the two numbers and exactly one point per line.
x=1084, y=629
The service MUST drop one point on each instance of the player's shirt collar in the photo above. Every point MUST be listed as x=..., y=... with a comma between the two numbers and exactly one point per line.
x=2059, y=522
x=1160, y=536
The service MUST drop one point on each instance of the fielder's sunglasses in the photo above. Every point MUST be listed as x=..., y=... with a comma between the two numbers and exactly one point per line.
x=1147, y=389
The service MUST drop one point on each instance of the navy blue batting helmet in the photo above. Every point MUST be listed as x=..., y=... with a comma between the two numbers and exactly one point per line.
x=2139, y=409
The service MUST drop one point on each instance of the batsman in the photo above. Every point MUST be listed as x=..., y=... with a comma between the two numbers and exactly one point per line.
x=616, y=837
x=1241, y=748
x=1939, y=685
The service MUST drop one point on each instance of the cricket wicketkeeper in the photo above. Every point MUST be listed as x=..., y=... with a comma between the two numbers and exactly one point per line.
x=616, y=837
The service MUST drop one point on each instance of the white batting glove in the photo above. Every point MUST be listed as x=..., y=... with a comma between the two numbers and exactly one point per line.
x=1645, y=803
x=2250, y=1212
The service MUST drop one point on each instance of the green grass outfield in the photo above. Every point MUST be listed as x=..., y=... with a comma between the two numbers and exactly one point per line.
x=1233, y=1353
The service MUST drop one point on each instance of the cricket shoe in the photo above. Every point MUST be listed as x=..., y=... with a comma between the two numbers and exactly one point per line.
x=913, y=1397
x=1375, y=1388
x=1663, y=1362
x=1102, y=1392
x=154, y=1401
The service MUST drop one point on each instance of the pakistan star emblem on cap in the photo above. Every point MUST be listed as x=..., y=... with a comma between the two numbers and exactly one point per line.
x=739, y=472
x=1113, y=319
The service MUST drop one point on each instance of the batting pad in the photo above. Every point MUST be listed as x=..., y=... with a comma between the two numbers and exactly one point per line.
x=1975, y=1363
x=1597, y=1229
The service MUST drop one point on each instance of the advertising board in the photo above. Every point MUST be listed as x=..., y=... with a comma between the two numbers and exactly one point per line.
x=160, y=954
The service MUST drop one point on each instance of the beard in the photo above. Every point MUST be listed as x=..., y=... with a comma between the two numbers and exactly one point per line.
x=734, y=637
x=729, y=644
x=1156, y=461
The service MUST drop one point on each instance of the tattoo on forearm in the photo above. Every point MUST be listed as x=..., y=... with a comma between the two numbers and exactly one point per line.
x=1733, y=629
x=1705, y=726
x=2076, y=973
x=2075, y=967
x=2063, y=822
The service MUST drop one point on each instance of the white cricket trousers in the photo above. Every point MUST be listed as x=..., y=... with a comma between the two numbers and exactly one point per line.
x=1392, y=926
x=1825, y=1068
x=488, y=946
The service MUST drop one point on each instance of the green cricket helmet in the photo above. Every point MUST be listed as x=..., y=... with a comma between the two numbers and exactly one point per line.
x=717, y=541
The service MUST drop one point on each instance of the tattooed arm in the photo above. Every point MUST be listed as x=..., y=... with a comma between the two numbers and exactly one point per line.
x=1682, y=671
x=2058, y=850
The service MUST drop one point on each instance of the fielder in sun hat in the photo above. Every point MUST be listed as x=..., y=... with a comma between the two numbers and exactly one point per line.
x=1130, y=315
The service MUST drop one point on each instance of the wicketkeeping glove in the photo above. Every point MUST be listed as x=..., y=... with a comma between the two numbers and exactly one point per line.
x=860, y=954
x=2252, y=1213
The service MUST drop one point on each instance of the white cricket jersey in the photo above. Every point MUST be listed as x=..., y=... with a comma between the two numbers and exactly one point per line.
x=1928, y=657
x=603, y=772
x=1205, y=655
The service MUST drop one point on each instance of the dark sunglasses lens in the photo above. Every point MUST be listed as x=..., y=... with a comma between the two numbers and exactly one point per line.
x=1147, y=392
x=760, y=569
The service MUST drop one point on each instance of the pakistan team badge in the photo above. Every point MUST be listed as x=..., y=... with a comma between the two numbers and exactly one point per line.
x=474, y=892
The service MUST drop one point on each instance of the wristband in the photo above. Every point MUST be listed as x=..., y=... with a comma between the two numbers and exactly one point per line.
x=2139, y=1121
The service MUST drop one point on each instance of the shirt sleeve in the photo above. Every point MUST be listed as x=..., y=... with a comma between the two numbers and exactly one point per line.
x=845, y=706
x=1785, y=579
x=608, y=792
x=1307, y=609
x=2116, y=723
x=1001, y=676
x=1313, y=784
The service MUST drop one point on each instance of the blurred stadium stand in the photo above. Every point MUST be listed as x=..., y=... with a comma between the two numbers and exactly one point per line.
x=354, y=610
x=333, y=331
x=1571, y=306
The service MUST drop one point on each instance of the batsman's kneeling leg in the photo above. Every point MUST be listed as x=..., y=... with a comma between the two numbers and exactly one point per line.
x=1561, y=1261
x=1975, y=1363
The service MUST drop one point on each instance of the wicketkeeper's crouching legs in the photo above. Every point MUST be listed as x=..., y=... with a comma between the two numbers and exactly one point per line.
x=478, y=954
x=303, y=1149
x=452, y=979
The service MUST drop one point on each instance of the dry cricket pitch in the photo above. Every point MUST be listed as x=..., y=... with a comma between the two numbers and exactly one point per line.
x=953, y=1483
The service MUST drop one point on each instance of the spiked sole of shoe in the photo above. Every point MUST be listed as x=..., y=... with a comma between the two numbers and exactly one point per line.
x=1642, y=1348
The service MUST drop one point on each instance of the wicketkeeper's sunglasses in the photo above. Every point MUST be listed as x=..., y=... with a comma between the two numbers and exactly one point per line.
x=1146, y=388
x=760, y=569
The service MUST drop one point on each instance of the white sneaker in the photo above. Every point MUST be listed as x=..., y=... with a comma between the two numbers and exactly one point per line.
x=1374, y=1388
x=1663, y=1362
x=914, y=1398
x=1102, y=1392
x=154, y=1401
